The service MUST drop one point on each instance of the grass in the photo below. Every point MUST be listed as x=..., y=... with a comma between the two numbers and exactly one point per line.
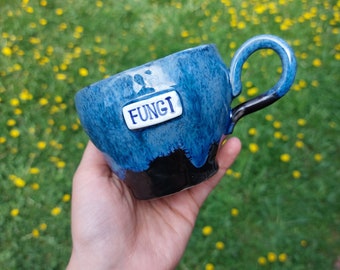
x=278, y=206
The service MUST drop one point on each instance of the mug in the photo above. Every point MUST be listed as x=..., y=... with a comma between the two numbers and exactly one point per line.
x=159, y=124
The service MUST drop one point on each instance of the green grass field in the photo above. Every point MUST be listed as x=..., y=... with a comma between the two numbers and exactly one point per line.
x=278, y=207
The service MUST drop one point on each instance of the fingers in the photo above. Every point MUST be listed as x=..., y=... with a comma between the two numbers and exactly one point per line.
x=228, y=153
x=225, y=157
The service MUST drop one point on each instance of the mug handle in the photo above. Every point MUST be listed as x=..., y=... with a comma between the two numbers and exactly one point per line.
x=286, y=80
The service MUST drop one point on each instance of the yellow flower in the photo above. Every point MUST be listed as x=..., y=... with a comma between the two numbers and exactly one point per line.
x=262, y=260
x=35, y=186
x=272, y=257
x=11, y=122
x=253, y=147
x=43, y=226
x=61, y=76
x=59, y=11
x=7, y=51
x=184, y=33
x=318, y=157
x=14, y=102
x=299, y=144
x=34, y=170
x=285, y=157
x=296, y=174
x=234, y=212
x=301, y=122
x=43, y=101
x=317, y=62
x=219, y=245
x=19, y=182
x=55, y=211
x=35, y=233
x=277, y=134
x=283, y=257
x=41, y=145
x=15, y=212
x=43, y=3
x=2, y=140
x=14, y=133
x=252, y=91
x=60, y=164
x=207, y=230
x=83, y=72
x=209, y=266
x=79, y=29
x=303, y=243
x=66, y=198
x=269, y=117
x=277, y=124
x=25, y=95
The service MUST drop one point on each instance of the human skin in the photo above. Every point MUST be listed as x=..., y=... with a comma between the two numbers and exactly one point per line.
x=113, y=230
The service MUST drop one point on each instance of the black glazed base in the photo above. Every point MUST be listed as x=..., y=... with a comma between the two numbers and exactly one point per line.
x=170, y=174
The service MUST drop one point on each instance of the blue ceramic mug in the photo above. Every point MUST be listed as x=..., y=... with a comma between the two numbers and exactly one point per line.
x=159, y=124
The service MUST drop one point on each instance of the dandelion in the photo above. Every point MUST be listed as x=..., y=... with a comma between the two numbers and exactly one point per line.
x=56, y=211
x=14, y=102
x=296, y=174
x=301, y=122
x=209, y=266
x=278, y=135
x=184, y=33
x=83, y=72
x=43, y=3
x=253, y=148
x=59, y=11
x=6, y=51
x=61, y=76
x=99, y=4
x=252, y=91
x=14, y=133
x=19, y=182
x=272, y=257
x=234, y=212
x=43, y=101
x=11, y=122
x=219, y=245
x=317, y=62
x=41, y=145
x=277, y=124
x=252, y=131
x=43, y=226
x=66, y=198
x=303, y=243
x=25, y=95
x=262, y=260
x=207, y=230
x=269, y=117
x=15, y=212
x=283, y=257
x=2, y=140
x=299, y=144
x=318, y=157
x=60, y=164
x=35, y=186
x=35, y=233
x=34, y=170
x=285, y=158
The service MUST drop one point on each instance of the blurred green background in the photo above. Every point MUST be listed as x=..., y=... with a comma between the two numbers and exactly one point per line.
x=278, y=207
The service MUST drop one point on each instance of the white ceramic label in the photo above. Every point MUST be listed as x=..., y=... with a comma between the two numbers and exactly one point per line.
x=152, y=111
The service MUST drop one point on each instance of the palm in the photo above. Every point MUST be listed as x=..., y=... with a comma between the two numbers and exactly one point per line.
x=107, y=222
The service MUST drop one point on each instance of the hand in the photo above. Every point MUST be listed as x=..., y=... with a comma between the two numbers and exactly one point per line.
x=113, y=230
